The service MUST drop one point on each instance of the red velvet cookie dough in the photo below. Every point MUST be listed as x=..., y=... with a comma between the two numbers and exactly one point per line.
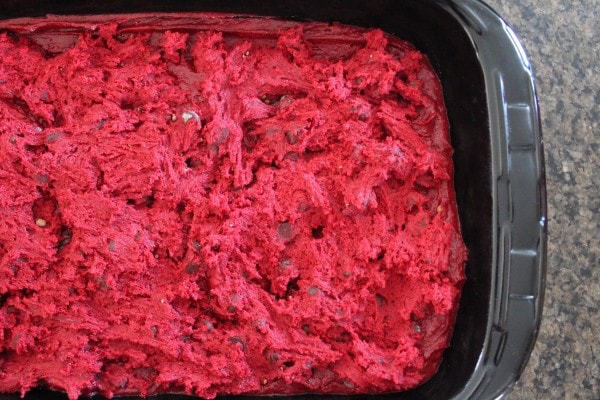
x=207, y=204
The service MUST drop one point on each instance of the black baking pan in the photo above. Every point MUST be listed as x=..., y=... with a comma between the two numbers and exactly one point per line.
x=495, y=130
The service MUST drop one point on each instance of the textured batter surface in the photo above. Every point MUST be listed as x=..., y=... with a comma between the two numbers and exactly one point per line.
x=262, y=207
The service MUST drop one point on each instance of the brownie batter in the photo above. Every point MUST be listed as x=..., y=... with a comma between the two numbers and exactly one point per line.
x=216, y=204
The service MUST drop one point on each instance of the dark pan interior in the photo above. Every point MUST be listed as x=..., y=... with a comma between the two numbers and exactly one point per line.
x=433, y=30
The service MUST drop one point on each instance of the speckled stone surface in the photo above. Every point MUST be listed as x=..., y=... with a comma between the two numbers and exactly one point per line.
x=562, y=40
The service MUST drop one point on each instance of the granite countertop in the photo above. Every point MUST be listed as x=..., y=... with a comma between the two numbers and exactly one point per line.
x=561, y=40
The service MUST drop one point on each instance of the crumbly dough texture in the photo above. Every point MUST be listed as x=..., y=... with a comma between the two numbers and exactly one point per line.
x=262, y=210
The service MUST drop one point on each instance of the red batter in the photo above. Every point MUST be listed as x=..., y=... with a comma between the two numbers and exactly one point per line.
x=212, y=204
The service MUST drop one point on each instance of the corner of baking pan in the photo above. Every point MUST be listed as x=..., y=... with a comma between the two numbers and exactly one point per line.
x=519, y=196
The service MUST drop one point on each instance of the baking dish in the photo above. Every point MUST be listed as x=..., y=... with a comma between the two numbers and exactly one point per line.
x=499, y=171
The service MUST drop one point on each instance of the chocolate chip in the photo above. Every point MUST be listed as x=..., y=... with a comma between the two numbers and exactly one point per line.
x=66, y=235
x=291, y=156
x=292, y=286
x=36, y=149
x=213, y=150
x=52, y=137
x=237, y=339
x=41, y=178
x=146, y=373
x=271, y=356
x=209, y=325
x=381, y=300
x=250, y=141
x=192, y=268
x=121, y=37
x=285, y=230
x=221, y=135
x=102, y=283
x=317, y=233
x=292, y=137
x=191, y=162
